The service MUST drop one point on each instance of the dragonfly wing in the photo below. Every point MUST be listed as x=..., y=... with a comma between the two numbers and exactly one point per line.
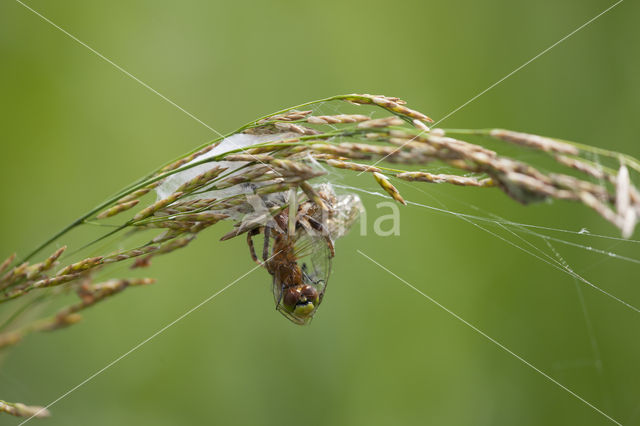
x=314, y=258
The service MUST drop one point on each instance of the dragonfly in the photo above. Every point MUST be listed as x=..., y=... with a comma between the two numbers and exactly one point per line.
x=298, y=253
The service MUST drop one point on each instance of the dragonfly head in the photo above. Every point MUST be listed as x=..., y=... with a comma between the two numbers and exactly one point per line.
x=300, y=302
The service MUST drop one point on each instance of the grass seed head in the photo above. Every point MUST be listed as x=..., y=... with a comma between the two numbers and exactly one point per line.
x=118, y=208
x=4, y=265
x=444, y=178
x=337, y=119
x=381, y=122
x=535, y=141
x=388, y=187
x=353, y=166
x=21, y=410
x=158, y=205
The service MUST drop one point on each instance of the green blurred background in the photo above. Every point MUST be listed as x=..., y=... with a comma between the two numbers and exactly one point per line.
x=75, y=130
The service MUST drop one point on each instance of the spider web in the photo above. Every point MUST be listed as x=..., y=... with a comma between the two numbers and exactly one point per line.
x=542, y=244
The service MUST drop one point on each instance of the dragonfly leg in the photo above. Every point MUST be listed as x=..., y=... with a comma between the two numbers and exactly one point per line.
x=305, y=273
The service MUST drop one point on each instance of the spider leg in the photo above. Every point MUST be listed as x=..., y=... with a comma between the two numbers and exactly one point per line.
x=252, y=250
x=265, y=247
x=332, y=249
x=304, y=223
x=281, y=293
x=303, y=211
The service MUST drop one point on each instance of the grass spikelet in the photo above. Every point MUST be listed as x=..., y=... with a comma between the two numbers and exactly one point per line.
x=89, y=295
x=118, y=208
x=295, y=128
x=292, y=168
x=623, y=194
x=337, y=119
x=292, y=115
x=21, y=410
x=353, y=166
x=273, y=188
x=534, y=141
x=201, y=217
x=444, y=178
x=80, y=266
x=388, y=187
x=584, y=167
x=134, y=195
x=390, y=104
x=381, y=123
x=313, y=195
x=28, y=286
x=13, y=275
x=604, y=211
x=50, y=261
x=143, y=214
x=188, y=158
x=420, y=125
x=8, y=261
x=35, y=270
x=260, y=158
x=130, y=254
x=200, y=180
x=175, y=244
x=48, y=282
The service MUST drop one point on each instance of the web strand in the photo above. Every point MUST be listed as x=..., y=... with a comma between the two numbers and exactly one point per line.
x=468, y=218
x=494, y=341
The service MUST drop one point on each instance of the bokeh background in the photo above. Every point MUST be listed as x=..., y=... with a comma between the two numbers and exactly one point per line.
x=75, y=130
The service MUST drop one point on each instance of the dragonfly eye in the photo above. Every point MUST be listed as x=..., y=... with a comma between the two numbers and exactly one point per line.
x=291, y=296
x=301, y=300
x=310, y=293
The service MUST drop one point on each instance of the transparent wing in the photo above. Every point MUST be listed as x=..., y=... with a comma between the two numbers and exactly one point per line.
x=314, y=259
